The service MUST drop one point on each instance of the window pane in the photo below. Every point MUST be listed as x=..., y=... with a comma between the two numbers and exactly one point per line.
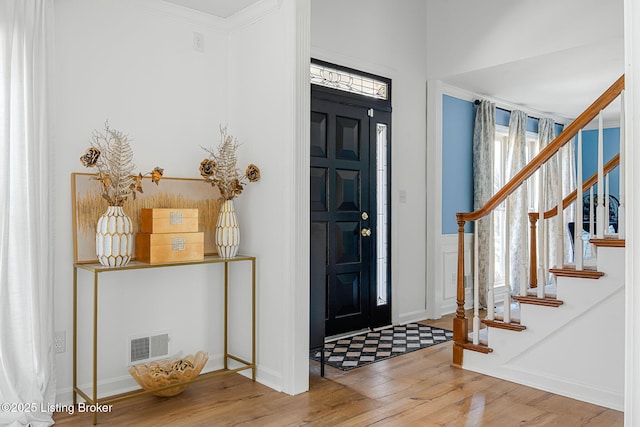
x=343, y=80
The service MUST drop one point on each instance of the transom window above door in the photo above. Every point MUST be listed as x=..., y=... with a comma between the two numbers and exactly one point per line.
x=349, y=82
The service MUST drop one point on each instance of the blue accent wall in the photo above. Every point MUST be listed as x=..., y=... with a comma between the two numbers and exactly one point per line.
x=611, y=147
x=458, y=117
x=502, y=117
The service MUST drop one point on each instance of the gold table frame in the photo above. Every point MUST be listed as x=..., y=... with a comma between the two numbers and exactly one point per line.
x=98, y=269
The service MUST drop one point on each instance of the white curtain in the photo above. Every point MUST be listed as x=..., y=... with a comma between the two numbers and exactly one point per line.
x=27, y=382
x=566, y=176
x=517, y=218
x=550, y=177
x=484, y=134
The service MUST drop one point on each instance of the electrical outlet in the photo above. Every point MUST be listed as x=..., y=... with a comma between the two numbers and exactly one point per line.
x=198, y=42
x=60, y=341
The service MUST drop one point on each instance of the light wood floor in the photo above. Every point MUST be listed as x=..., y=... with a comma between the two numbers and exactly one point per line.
x=417, y=389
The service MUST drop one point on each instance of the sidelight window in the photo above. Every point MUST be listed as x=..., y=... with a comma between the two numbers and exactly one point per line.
x=382, y=242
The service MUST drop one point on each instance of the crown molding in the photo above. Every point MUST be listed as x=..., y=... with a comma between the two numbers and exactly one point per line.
x=500, y=103
x=253, y=14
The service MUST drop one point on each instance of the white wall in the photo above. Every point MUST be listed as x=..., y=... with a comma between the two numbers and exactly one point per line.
x=133, y=63
x=389, y=39
x=269, y=106
x=632, y=271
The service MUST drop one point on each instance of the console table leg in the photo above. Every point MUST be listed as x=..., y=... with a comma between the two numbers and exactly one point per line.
x=75, y=334
x=253, y=319
x=226, y=314
x=95, y=345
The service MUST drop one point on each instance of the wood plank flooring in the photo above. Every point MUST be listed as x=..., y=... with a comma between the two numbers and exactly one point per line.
x=416, y=389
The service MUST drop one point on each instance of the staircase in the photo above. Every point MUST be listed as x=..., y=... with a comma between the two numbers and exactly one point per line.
x=573, y=347
x=566, y=338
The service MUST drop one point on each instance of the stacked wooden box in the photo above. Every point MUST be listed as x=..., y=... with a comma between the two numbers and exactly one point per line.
x=169, y=235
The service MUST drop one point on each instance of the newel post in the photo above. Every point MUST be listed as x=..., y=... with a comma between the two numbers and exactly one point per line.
x=460, y=322
x=533, y=257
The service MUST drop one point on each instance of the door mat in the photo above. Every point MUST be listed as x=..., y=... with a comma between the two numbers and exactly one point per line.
x=360, y=350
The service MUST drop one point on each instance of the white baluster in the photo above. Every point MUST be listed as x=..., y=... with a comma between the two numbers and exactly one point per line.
x=507, y=308
x=476, y=287
x=591, y=223
x=560, y=219
x=621, y=170
x=507, y=255
x=492, y=272
x=600, y=208
x=523, y=279
x=606, y=204
x=577, y=241
x=541, y=232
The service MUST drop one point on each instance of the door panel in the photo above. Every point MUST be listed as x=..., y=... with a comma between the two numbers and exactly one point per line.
x=319, y=183
x=318, y=134
x=347, y=190
x=340, y=192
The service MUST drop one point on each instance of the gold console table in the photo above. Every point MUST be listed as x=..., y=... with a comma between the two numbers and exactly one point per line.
x=98, y=269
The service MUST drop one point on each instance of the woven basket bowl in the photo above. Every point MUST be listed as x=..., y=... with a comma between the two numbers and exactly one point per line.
x=162, y=373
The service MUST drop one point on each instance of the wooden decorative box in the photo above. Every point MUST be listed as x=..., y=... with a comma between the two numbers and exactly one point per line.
x=169, y=220
x=156, y=248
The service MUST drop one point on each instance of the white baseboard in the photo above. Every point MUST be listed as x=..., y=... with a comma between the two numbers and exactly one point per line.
x=558, y=386
x=412, y=317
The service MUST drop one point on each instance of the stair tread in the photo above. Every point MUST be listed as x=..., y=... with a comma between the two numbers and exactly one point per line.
x=551, y=302
x=569, y=270
x=512, y=326
x=609, y=240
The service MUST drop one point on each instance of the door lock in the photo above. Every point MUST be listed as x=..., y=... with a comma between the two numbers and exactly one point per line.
x=365, y=232
x=364, y=216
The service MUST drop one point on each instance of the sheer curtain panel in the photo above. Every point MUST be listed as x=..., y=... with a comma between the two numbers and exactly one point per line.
x=550, y=193
x=517, y=219
x=484, y=134
x=27, y=386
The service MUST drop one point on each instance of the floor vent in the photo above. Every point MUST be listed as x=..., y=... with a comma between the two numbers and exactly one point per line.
x=150, y=347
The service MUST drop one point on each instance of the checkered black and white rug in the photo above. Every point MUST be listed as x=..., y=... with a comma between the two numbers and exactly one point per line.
x=360, y=350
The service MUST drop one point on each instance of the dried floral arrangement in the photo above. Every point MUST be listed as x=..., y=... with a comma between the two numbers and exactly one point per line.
x=220, y=169
x=111, y=153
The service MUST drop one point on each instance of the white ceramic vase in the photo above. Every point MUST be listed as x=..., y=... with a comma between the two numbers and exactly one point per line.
x=227, y=231
x=114, y=237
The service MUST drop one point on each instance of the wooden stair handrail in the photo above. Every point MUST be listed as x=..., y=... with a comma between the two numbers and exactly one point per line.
x=547, y=152
x=611, y=165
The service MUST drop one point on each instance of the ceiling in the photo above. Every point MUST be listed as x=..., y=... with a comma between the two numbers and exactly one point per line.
x=221, y=8
x=563, y=83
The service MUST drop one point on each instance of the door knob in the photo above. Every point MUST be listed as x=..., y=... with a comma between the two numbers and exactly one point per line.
x=365, y=232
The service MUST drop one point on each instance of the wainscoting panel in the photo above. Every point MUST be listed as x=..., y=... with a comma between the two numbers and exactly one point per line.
x=449, y=271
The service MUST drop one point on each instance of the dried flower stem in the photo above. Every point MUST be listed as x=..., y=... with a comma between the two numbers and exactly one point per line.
x=111, y=153
x=220, y=168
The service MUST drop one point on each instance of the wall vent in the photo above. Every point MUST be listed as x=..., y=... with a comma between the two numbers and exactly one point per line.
x=148, y=347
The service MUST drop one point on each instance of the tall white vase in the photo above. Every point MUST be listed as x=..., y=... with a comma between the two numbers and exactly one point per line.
x=227, y=231
x=114, y=237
